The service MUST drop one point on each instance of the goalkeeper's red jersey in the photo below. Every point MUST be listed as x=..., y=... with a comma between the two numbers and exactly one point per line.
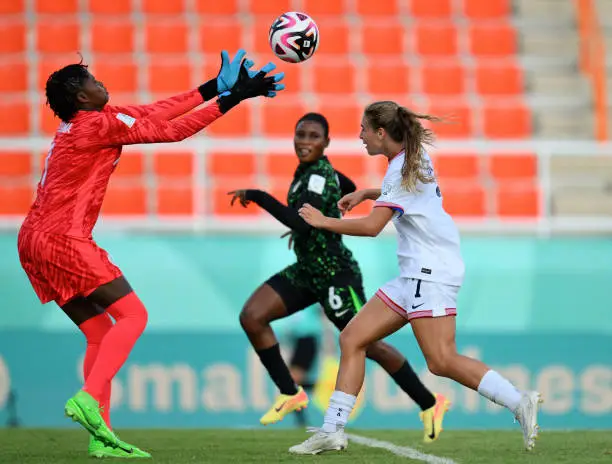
x=85, y=152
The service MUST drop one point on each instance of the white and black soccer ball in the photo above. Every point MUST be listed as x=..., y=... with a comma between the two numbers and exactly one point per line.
x=294, y=37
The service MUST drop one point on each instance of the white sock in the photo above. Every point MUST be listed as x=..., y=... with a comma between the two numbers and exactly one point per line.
x=339, y=409
x=499, y=390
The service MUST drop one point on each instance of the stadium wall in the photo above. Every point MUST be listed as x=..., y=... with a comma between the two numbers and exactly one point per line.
x=536, y=309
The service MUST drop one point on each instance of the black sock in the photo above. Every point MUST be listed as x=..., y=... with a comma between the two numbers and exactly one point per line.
x=408, y=381
x=275, y=365
x=308, y=387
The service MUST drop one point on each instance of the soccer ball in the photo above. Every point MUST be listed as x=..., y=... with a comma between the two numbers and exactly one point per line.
x=294, y=37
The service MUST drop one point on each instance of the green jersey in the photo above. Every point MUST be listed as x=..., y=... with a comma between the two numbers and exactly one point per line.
x=320, y=252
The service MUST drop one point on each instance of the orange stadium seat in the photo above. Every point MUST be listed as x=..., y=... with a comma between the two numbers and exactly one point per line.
x=47, y=123
x=498, y=79
x=175, y=200
x=221, y=200
x=278, y=187
x=507, y=122
x=383, y=39
x=226, y=7
x=57, y=6
x=344, y=117
x=378, y=167
x=487, y=9
x=13, y=76
x=377, y=8
x=163, y=7
x=257, y=37
x=13, y=35
x=221, y=164
x=46, y=66
x=58, y=36
x=457, y=120
x=513, y=166
x=15, y=199
x=166, y=36
x=464, y=199
x=269, y=7
x=236, y=122
x=174, y=165
x=12, y=6
x=170, y=75
x=279, y=118
x=443, y=78
x=354, y=166
x=117, y=75
x=280, y=165
x=15, y=163
x=334, y=77
x=294, y=76
x=317, y=8
x=118, y=7
x=517, y=200
x=497, y=39
x=336, y=33
x=445, y=42
x=460, y=166
x=220, y=35
x=124, y=199
x=431, y=8
x=14, y=118
x=387, y=78
x=112, y=36
x=131, y=164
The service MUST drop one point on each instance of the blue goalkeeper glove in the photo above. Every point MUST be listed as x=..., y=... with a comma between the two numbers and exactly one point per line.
x=227, y=77
x=251, y=84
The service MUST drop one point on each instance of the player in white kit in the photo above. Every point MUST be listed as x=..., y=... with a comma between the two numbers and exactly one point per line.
x=424, y=294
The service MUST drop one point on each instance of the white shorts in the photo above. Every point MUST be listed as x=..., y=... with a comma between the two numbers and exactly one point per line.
x=414, y=298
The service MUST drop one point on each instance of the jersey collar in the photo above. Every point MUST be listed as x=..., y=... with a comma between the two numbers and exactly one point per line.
x=396, y=156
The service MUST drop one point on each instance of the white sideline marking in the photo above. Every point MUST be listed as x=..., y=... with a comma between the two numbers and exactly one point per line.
x=404, y=451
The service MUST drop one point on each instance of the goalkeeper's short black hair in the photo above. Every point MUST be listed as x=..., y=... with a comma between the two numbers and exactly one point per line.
x=62, y=89
x=316, y=117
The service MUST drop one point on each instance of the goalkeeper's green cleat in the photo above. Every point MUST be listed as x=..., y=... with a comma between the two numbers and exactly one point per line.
x=84, y=409
x=98, y=449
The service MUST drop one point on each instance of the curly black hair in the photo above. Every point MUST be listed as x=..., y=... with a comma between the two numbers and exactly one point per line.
x=316, y=117
x=62, y=88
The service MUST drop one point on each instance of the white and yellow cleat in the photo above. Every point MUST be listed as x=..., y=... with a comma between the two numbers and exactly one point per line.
x=432, y=418
x=527, y=415
x=284, y=405
x=321, y=441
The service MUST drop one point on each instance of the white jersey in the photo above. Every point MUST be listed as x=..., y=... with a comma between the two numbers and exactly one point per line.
x=428, y=239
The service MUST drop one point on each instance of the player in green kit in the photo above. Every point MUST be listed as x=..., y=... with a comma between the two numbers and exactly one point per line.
x=325, y=272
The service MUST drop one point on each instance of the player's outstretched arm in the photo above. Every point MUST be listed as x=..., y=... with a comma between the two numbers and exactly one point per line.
x=166, y=109
x=350, y=200
x=178, y=105
x=282, y=213
x=367, y=226
x=121, y=129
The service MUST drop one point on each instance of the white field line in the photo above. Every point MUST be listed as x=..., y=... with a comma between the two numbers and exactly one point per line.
x=404, y=451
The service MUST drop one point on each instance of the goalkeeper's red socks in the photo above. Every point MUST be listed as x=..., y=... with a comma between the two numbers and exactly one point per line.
x=131, y=318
